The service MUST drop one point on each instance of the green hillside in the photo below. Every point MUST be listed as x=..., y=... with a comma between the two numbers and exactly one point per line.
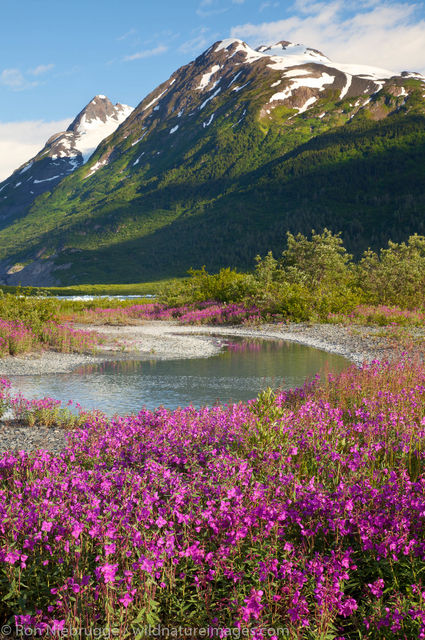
x=217, y=194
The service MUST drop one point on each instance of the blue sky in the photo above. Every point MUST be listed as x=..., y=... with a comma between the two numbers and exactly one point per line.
x=56, y=55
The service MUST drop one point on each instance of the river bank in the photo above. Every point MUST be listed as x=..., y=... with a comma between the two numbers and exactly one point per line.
x=164, y=340
x=161, y=340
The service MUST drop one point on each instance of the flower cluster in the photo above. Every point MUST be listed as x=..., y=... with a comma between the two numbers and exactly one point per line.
x=16, y=337
x=380, y=315
x=202, y=313
x=67, y=339
x=303, y=509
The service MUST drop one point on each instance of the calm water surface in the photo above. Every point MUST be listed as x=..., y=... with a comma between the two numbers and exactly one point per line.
x=239, y=372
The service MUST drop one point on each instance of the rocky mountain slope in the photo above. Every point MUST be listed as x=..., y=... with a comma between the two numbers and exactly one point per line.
x=61, y=155
x=220, y=160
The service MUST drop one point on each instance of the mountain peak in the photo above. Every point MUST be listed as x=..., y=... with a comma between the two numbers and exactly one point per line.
x=285, y=48
x=99, y=110
x=230, y=129
x=63, y=152
x=295, y=54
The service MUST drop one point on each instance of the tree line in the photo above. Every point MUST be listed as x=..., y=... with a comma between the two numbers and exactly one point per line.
x=313, y=277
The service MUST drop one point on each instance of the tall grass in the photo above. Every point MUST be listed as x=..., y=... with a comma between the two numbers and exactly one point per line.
x=29, y=324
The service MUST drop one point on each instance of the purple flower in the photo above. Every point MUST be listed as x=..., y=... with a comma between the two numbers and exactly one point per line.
x=377, y=587
x=253, y=606
x=108, y=571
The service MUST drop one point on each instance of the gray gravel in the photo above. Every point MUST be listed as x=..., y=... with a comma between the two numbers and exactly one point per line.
x=169, y=340
x=45, y=362
x=21, y=438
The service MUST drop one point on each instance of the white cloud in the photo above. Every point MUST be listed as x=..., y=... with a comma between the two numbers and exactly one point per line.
x=209, y=8
x=15, y=80
x=267, y=5
x=42, y=68
x=146, y=53
x=129, y=33
x=387, y=35
x=20, y=141
x=202, y=39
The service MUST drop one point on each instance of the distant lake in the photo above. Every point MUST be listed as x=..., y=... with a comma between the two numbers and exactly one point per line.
x=239, y=372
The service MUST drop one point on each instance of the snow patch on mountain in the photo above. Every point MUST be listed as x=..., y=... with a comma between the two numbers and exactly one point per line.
x=45, y=180
x=92, y=132
x=206, y=78
x=207, y=124
x=133, y=144
x=28, y=166
x=234, y=78
x=347, y=85
x=138, y=159
x=242, y=87
x=307, y=104
x=295, y=73
x=282, y=95
x=155, y=100
x=98, y=165
x=208, y=99
x=313, y=82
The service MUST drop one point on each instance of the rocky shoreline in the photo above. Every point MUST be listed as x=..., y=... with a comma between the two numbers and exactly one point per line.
x=169, y=340
x=164, y=340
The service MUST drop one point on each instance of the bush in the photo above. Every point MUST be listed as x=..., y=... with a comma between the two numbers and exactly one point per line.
x=396, y=275
x=228, y=285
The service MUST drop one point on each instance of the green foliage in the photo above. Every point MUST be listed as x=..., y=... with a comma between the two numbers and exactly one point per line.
x=32, y=311
x=228, y=285
x=314, y=278
x=225, y=286
x=319, y=263
x=220, y=197
x=395, y=275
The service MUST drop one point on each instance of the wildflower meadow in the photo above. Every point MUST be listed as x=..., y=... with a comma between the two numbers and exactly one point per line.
x=301, y=510
x=208, y=312
x=299, y=514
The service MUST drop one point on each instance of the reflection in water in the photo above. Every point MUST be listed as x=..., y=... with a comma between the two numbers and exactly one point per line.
x=239, y=372
x=255, y=345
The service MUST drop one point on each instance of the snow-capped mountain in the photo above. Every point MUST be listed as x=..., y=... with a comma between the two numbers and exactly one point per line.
x=239, y=143
x=62, y=154
x=301, y=74
x=231, y=79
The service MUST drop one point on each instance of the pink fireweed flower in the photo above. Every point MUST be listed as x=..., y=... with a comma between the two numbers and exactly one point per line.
x=108, y=571
x=253, y=606
x=12, y=557
x=110, y=549
x=377, y=587
x=128, y=598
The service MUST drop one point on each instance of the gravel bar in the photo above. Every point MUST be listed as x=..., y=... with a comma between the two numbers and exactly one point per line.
x=24, y=438
x=164, y=340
